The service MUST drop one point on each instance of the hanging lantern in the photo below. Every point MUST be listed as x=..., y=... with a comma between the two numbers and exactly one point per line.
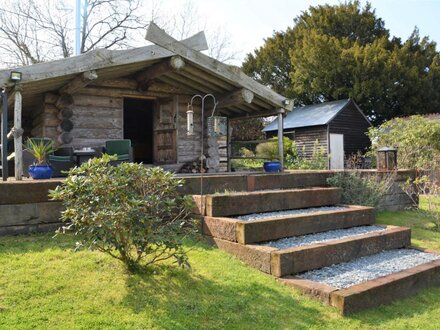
x=217, y=126
x=387, y=159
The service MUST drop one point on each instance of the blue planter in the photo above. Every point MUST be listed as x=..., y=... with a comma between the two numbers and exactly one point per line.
x=272, y=166
x=39, y=172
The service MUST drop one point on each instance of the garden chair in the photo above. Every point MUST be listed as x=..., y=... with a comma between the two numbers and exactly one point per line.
x=121, y=148
x=62, y=160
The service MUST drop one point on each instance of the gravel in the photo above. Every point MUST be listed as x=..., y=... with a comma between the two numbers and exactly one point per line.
x=326, y=236
x=368, y=268
x=279, y=214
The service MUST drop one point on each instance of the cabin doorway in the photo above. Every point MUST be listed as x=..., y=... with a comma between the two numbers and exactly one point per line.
x=138, y=127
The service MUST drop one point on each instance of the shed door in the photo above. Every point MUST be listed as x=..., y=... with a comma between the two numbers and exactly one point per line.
x=165, y=146
x=336, y=151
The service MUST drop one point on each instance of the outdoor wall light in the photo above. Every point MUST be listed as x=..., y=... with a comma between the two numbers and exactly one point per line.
x=286, y=102
x=15, y=76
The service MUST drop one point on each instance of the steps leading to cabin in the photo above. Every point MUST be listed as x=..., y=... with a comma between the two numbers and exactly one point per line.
x=257, y=227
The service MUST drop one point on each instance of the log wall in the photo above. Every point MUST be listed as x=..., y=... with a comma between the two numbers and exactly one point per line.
x=96, y=115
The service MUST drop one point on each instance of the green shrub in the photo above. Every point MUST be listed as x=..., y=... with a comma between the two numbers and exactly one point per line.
x=361, y=189
x=417, y=140
x=269, y=149
x=133, y=213
x=297, y=160
x=245, y=152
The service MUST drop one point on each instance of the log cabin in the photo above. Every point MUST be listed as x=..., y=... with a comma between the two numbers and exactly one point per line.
x=140, y=94
x=340, y=127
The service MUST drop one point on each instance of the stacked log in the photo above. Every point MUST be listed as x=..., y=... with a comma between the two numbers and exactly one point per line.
x=64, y=104
x=194, y=167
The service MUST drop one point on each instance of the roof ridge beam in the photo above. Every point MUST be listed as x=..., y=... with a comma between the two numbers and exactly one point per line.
x=145, y=77
x=232, y=74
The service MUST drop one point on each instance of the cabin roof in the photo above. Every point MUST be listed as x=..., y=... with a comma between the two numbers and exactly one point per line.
x=201, y=75
x=311, y=115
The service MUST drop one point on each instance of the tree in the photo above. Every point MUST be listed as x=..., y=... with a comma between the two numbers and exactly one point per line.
x=342, y=51
x=34, y=31
x=37, y=31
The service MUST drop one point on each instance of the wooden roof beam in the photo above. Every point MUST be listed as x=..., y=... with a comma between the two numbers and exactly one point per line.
x=98, y=59
x=237, y=97
x=79, y=82
x=261, y=114
x=145, y=78
x=231, y=74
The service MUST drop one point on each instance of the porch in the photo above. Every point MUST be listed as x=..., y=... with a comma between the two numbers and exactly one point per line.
x=144, y=94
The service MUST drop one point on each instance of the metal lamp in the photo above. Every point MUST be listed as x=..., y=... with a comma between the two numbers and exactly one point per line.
x=386, y=159
x=15, y=76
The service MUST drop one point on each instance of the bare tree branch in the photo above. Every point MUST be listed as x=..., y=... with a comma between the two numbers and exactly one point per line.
x=33, y=31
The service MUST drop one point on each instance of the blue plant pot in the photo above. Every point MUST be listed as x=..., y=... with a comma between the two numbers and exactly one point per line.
x=40, y=172
x=272, y=166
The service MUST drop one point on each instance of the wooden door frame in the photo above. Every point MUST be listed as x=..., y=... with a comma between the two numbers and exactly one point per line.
x=156, y=116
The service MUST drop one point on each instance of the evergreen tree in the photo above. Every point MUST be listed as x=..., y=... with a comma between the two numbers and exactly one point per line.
x=341, y=51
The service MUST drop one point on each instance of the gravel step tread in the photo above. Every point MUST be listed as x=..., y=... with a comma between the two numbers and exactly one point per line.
x=368, y=268
x=327, y=236
x=287, y=213
x=265, y=191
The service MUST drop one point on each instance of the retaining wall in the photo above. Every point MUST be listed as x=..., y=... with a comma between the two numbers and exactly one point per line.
x=25, y=207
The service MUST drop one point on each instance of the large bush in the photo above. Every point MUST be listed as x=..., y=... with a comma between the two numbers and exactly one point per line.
x=417, y=140
x=361, y=188
x=296, y=160
x=133, y=213
x=269, y=149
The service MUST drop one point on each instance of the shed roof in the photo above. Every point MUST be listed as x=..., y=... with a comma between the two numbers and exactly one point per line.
x=310, y=115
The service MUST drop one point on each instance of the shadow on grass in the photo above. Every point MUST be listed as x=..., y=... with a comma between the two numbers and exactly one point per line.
x=183, y=299
x=22, y=244
x=425, y=302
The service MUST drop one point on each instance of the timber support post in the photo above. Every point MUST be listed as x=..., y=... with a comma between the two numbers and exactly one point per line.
x=4, y=133
x=17, y=132
x=280, y=137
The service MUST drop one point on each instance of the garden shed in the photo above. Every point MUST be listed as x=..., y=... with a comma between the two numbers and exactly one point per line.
x=140, y=94
x=338, y=126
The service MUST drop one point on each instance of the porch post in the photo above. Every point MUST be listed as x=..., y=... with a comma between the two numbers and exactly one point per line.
x=280, y=138
x=4, y=133
x=18, y=134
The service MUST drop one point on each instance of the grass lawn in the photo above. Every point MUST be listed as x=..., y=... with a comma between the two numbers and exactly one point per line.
x=45, y=285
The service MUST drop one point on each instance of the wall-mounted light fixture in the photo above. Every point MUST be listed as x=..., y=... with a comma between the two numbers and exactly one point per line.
x=15, y=76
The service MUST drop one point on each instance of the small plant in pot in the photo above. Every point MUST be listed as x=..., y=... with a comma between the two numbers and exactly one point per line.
x=269, y=150
x=40, y=149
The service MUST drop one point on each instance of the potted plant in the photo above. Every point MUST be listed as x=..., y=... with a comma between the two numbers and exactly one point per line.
x=269, y=150
x=40, y=149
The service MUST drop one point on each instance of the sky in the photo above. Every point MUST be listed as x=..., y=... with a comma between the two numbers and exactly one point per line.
x=250, y=21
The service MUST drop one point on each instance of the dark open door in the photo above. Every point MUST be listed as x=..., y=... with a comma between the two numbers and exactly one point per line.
x=165, y=144
x=138, y=127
